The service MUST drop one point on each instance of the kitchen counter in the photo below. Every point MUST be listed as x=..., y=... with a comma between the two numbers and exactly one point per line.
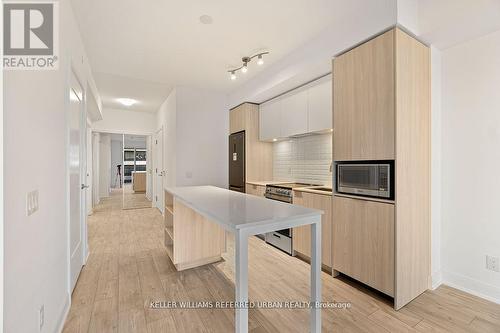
x=235, y=210
x=264, y=183
x=247, y=215
x=312, y=189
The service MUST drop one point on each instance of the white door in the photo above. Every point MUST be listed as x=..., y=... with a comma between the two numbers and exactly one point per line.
x=77, y=177
x=158, y=170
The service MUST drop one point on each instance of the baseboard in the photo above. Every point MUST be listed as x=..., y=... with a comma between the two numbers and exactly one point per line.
x=472, y=286
x=64, y=314
x=436, y=280
x=86, y=259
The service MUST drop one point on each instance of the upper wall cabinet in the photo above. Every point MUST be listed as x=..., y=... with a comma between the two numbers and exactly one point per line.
x=320, y=105
x=364, y=110
x=294, y=113
x=304, y=110
x=270, y=120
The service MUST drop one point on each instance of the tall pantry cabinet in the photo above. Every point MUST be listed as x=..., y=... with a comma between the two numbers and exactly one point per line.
x=381, y=111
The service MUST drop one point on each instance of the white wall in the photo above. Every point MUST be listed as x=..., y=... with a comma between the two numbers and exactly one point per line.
x=96, y=198
x=116, y=158
x=436, y=169
x=357, y=21
x=126, y=121
x=202, y=137
x=104, y=165
x=89, y=179
x=136, y=142
x=196, y=125
x=167, y=120
x=470, y=163
x=35, y=134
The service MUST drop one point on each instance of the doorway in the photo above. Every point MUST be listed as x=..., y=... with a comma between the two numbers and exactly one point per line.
x=135, y=172
x=123, y=168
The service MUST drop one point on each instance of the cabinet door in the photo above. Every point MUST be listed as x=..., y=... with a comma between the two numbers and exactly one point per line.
x=364, y=99
x=270, y=120
x=363, y=242
x=320, y=105
x=237, y=119
x=302, y=235
x=257, y=190
x=294, y=113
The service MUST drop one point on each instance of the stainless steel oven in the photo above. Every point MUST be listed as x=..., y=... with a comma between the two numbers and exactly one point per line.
x=282, y=239
x=366, y=178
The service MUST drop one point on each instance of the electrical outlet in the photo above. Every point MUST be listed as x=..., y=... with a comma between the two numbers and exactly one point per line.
x=31, y=202
x=41, y=317
x=493, y=263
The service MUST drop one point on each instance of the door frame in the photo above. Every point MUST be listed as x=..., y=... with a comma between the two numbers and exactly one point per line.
x=156, y=191
x=123, y=132
x=89, y=169
x=73, y=73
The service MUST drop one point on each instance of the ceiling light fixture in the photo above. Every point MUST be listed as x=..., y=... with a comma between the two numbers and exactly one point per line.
x=244, y=66
x=126, y=101
x=260, y=61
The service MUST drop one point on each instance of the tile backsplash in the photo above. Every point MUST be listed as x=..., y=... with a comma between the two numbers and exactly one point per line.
x=304, y=159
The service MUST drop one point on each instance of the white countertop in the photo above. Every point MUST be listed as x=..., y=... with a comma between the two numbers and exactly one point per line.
x=264, y=182
x=235, y=210
x=312, y=189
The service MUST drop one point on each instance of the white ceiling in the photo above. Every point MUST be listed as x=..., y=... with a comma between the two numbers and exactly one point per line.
x=445, y=23
x=141, y=49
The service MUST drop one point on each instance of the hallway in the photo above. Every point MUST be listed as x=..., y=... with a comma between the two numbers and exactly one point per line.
x=128, y=267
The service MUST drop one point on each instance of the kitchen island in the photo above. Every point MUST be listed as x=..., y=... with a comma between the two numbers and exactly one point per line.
x=244, y=215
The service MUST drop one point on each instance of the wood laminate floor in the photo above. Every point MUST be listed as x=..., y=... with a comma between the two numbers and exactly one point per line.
x=128, y=268
x=131, y=199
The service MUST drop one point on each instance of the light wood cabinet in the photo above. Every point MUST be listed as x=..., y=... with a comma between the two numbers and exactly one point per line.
x=294, y=113
x=258, y=190
x=364, y=101
x=381, y=111
x=302, y=235
x=319, y=109
x=184, y=226
x=139, y=181
x=258, y=154
x=270, y=120
x=363, y=235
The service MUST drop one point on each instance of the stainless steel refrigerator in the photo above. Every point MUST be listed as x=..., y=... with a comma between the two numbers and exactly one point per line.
x=237, y=161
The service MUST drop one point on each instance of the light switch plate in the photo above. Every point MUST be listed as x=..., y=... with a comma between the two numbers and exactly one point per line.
x=31, y=202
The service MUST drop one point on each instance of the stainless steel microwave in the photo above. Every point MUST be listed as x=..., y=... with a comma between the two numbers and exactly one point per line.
x=366, y=178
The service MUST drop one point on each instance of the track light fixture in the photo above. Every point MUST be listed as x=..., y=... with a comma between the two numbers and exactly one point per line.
x=244, y=66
